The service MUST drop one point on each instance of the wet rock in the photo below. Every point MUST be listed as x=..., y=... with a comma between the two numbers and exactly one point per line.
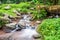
x=9, y=27
x=22, y=24
x=36, y=36
x=6, y=30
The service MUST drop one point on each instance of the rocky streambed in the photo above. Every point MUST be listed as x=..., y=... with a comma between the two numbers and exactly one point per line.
x=24, y=29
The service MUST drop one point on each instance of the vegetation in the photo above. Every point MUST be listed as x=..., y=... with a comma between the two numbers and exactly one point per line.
x=50, y=29
x=3, y=22
x=39, y=14
x=23, y=7
x=39, y=9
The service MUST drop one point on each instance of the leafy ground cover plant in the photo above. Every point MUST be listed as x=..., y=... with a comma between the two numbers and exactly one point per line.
x=3, y=22
x=39, y=14
x=23, y=7
x=50, y=29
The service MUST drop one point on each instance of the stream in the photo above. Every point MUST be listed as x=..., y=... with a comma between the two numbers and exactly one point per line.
x=28, y=32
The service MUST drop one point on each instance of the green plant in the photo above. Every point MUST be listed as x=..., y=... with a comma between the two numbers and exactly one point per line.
x=24, y=5
x=39, y=14
x=50, y=29
x=3, y=22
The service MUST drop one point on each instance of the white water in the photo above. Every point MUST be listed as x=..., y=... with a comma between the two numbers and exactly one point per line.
x=29, y=31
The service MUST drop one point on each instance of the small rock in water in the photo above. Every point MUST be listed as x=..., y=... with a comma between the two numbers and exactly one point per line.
x=22, y=24
x=36, y=36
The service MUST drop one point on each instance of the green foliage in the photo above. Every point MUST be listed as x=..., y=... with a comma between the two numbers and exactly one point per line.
x=9, y=12
x=50, y=29
x=39, y=14
x=23, y=7
x=3, y=22
x=48, y=2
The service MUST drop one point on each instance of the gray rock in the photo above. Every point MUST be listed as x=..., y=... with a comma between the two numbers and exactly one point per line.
x=22, y=24
x=36, y=36
x=11, y=25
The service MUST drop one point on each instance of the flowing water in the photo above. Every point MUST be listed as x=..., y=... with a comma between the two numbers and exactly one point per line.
x=29, y=31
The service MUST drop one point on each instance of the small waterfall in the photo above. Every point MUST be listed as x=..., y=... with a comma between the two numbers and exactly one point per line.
x=15, y=29
x=29, y=31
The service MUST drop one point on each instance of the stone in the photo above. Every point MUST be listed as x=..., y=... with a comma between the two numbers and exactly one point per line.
x=22, y=24
x=15, y=11
x=38, y=22
x=11, y=25
x=32, y=8
x=6, y=17
x=18, y=17
x=7, y=7
x=11, y=17
x=4, y=20
x=36, y=36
